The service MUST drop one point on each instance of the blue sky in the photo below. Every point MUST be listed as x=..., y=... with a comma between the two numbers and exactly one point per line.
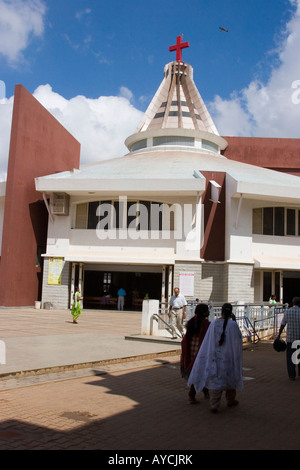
x=93, y=47
x=104, y=60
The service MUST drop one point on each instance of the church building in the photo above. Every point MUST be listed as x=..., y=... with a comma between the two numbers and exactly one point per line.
x=218, y=217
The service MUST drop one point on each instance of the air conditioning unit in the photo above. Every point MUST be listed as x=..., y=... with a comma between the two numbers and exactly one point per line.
x=60, y=204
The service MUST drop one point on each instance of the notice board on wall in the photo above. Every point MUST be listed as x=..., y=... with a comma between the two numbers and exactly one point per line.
x=186, y=283
x=55, y=270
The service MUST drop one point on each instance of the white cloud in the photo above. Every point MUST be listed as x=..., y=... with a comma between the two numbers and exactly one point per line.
x=81, y=13
x=126, y=93
x=267, y=109
x=100, y=125
x=19, y=22
x=230, y=117
x=6, y=106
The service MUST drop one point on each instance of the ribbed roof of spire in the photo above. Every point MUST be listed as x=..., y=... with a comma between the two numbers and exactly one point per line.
x=177, y=103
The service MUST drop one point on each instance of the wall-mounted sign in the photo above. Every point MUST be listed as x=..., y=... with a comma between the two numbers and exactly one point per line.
x=186, y=283
x=55, y=271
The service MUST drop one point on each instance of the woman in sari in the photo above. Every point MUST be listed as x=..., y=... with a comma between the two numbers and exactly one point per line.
x=190, y=344
x=76, y=306
x=218, y=365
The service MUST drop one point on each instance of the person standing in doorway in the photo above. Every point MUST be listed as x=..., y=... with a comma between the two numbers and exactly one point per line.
x=177, y=312
x=291, y=318
x=76, y=306
x=121, y=298
x=272, y=301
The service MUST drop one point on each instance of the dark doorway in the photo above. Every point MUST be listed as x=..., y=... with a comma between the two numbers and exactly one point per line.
x=101, y=288
x=39, y=220
x=291, y=288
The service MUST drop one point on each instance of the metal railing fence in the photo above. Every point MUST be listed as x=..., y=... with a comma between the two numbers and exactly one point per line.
x=256, y=321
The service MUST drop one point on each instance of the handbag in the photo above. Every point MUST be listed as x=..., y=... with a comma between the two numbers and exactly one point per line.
x=279, y=345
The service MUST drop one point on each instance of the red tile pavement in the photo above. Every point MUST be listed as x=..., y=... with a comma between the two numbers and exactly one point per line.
x=142, y=405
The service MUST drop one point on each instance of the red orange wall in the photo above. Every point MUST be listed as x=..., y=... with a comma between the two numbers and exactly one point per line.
x=39, y=145
x=213, y=248
x=276, y=154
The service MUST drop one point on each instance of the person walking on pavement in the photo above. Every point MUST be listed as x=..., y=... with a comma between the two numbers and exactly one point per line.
x=177, y=312
x=196, y=328
x=121, y=298
x=291, y=318
x=218, y=365
x=76, y=306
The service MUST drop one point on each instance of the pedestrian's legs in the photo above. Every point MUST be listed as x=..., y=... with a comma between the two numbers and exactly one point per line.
x=179, y=320
x=230, y=397
x=173, y=322
x=215, y=399
x=192, y=394
x=120, y=303
x=291, y=368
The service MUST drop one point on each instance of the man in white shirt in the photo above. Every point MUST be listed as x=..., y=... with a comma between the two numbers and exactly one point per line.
x=177, y=312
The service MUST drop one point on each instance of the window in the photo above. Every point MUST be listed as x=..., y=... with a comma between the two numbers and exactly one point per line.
x=279, y=221
x=290, y=222
x=137, y=215
x=141, y=144
x=268, y=221
x=206, y=144
x=144, y=215
x=106, y=282
x=104, y=211
x=257, y=221
x=93, y=218
x=118, y=215
x=81, y=215
x=173, y=140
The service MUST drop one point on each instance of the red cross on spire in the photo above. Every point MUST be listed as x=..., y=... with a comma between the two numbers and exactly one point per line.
x=178, y=48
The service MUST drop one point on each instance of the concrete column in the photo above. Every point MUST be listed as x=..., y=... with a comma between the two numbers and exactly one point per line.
x=170, y=283
x=150, y=307
x=163, y=284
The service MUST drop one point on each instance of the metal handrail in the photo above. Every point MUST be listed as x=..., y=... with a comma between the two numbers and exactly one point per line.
x=253, y=315
x=157, y=317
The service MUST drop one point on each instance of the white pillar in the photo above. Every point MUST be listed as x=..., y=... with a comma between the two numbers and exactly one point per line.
x=72, y=290
x=2, y=352
x=80, y=283
x=150, y=307
x=163, y=284
x=170, y=283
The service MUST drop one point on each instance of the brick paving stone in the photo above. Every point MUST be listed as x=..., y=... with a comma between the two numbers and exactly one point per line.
x=147, y=409
x=142, y=405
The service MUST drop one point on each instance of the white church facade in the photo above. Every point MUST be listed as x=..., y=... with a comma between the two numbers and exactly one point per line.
x=173, y=211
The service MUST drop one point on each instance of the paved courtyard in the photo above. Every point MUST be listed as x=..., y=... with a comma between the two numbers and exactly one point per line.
x=136, y=403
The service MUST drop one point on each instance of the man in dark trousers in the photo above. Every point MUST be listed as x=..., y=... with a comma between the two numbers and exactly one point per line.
x=291, y=318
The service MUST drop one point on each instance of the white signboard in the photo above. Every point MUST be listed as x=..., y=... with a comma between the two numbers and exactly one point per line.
x=186, y=283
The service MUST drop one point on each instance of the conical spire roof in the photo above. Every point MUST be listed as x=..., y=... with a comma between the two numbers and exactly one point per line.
x=177, y=103
x=177, y=110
